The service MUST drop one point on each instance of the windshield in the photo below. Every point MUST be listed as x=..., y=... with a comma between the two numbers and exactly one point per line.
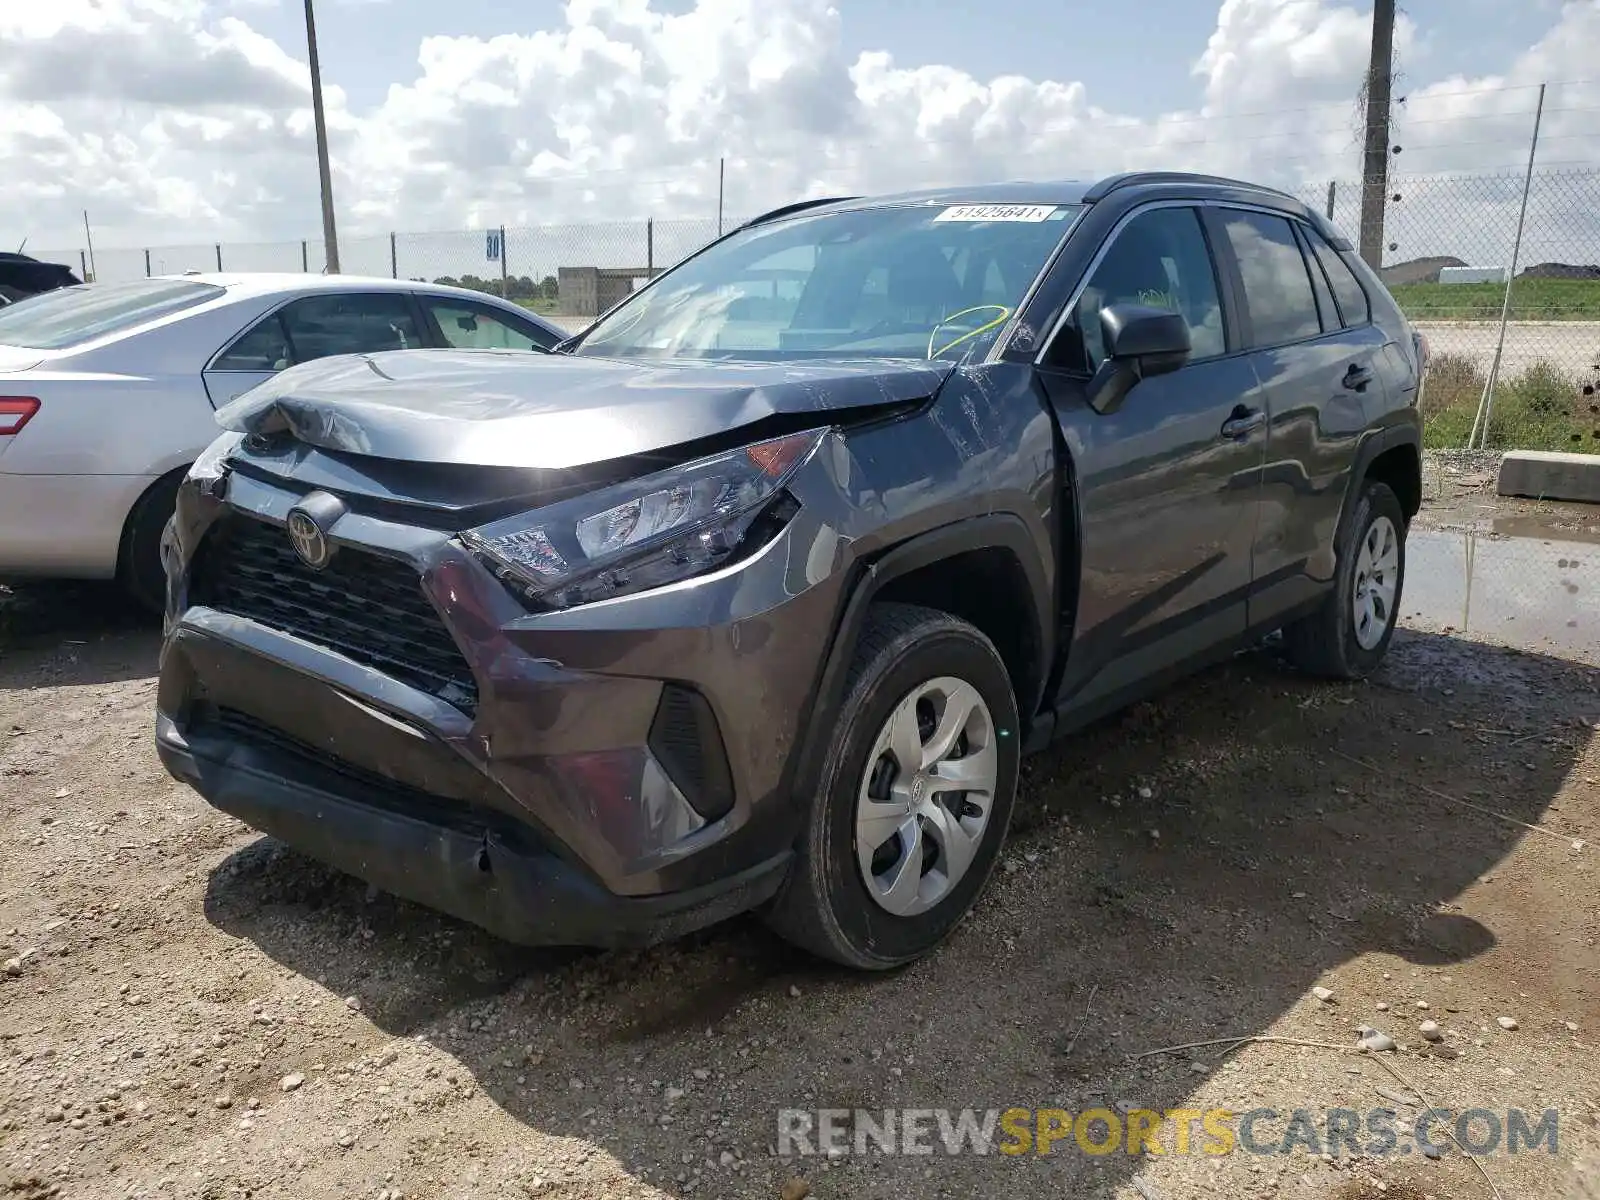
x=75, y=315
x=922, y=281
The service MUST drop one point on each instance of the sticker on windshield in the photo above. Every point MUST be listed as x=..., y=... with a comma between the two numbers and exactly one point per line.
x=997, y=212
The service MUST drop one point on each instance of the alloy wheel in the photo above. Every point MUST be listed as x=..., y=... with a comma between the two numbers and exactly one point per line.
x=1377, y=580
x=925, y=799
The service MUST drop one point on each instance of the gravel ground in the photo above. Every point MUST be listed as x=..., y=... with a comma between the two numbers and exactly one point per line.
x=189, y=1010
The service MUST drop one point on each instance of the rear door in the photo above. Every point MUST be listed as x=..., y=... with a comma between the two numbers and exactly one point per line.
x=313, y=327
x=1167, y=485
x=1319, y=371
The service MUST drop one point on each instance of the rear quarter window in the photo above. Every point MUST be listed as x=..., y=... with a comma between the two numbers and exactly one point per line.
x=74, y=316
x=1347, y=290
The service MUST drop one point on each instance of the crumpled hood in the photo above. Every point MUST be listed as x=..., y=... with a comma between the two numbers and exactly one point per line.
x=516, y=409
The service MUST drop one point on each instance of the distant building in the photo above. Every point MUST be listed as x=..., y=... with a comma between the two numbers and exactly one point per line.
x=590, y=291
x=1418, y=270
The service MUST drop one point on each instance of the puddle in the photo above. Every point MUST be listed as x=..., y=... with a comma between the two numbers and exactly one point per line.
x=1534, y=593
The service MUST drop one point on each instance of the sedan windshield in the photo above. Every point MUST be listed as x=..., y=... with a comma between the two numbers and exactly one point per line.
x=74, y=315
x=912, y=281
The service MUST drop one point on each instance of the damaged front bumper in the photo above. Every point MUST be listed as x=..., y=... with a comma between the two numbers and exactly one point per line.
x=613, y=775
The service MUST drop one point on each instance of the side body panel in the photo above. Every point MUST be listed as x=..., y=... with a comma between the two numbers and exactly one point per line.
x=1167, y=517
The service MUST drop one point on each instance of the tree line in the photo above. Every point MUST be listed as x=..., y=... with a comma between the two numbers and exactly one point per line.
x=514, y=287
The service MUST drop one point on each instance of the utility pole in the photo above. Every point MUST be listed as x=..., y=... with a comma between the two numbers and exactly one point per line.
x=1375, y=159
x=330, y=238
x=89, y=238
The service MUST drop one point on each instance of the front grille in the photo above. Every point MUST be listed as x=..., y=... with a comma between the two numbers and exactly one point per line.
x=367, y=607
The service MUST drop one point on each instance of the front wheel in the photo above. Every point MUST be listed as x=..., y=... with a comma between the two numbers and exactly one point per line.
x=914, y=797
x=1347, y=637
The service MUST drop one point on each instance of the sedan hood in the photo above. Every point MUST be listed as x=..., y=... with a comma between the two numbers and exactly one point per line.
x=515, y=409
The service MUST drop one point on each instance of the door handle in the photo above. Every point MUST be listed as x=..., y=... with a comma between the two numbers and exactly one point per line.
x=1243, y=423
x=1357, y=378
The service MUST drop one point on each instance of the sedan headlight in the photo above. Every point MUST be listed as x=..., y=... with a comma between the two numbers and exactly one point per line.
x=647, y=532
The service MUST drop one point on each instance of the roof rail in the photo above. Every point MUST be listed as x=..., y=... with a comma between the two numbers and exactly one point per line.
x=1114, y=183
x=798, y=206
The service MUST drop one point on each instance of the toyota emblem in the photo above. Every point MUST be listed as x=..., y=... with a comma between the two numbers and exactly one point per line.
x=308, y=539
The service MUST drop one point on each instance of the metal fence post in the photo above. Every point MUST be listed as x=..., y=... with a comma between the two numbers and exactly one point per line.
x=83, y=264
x=650, y=248
x=219, y=256
x=147, y=264
x=305, y=260
x=1333, y=187
x=1486, y=406
x=394, y=259
x=505, y=287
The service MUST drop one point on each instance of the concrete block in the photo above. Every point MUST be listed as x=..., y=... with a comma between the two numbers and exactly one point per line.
x=1551, y=475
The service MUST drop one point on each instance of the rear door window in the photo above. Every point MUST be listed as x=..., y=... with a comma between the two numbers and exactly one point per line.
x=1277, y=286
x=1354, y=306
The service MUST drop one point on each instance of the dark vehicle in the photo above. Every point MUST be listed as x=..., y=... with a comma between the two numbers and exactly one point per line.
x=22, y=276
x=755, y=594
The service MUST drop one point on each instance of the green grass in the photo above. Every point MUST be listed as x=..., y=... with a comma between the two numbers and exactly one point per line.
x=1531, y=300
x=542, y=307
x=1538, y=409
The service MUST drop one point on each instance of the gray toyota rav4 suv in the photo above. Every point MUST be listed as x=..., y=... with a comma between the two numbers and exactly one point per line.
x=753, y=595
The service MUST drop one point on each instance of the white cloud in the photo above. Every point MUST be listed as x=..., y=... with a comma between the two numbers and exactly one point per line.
x=174, y=120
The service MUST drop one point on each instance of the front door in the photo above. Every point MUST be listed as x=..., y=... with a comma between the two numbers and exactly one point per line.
x=1166, y=487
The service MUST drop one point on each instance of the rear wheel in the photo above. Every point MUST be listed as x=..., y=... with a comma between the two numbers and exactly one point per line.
x=915, y=795
x=139, y=566
x=1349, y=635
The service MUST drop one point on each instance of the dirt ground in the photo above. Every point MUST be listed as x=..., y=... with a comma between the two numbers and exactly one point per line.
x=189, y=1010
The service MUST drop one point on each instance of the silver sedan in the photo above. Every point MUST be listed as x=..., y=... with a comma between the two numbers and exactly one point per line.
x=107, y=393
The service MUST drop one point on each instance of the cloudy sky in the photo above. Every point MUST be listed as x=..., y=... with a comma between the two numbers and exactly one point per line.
x=189, y=120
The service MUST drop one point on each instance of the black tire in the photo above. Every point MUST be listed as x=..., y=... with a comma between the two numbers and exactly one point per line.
x=1325, y=642
x=825, y=906
x=139, y=567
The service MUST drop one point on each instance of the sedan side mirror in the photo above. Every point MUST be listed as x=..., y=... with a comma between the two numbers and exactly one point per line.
x=1140, y=342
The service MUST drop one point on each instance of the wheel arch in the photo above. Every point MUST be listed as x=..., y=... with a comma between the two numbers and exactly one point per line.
x=1399, y=464
x=922, y=570
x=1392, y=456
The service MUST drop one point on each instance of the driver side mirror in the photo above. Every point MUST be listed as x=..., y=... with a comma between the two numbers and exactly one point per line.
x=1140, y=343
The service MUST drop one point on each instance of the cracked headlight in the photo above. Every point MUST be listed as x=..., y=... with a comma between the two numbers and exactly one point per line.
x=647, y=532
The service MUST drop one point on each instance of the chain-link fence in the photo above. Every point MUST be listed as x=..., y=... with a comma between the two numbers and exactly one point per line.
x=1528, y=338
x=568, y=272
